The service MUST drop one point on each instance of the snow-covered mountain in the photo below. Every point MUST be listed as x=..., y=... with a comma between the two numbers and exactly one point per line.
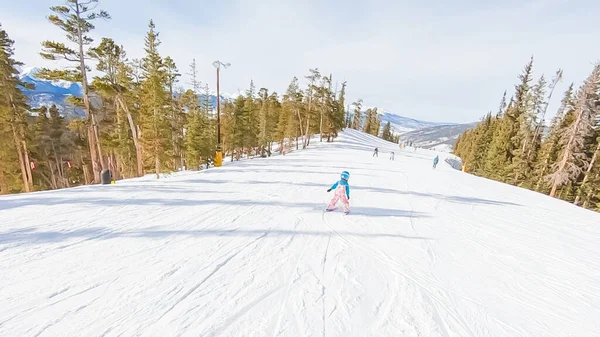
x=401, y=124
x=47, y=93
x=440, y=137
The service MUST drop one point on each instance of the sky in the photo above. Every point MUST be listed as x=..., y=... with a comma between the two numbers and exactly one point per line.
x=436, y=60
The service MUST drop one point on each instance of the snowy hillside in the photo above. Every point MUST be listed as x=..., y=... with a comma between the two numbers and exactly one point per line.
x=246, y=250
x=401, y=124
x=440, y=138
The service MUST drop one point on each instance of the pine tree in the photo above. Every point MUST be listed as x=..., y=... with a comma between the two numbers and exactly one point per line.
x=585, y=190
x=276, y=110
x=527, y=138
x=117, y=84
x=195, y=83
x=572, y=158
x=550, y=146
x=541, y=107
x=387, y=132
x=502, y=106
x=372, y=122
x=314, y=76
x=357, y=120
x=249, y=121
x=511, y=130
x=155, y=126
x=193, y=140
x=482, y=141
x=290, y=123
x=75, y=19
x=339, y=112
x=336, y=114
x=263, y=118
x=58, y=146
x=376, y=123
x=13, y=113
x=177, y=117
x=367, y=126
x=523, y=118
x=241, y=128
x=228, y=128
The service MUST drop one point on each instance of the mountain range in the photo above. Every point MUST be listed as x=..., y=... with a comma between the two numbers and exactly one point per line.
x=422, y=133
x=439, y=137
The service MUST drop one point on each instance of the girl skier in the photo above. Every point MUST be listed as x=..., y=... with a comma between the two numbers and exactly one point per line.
x=342, y=192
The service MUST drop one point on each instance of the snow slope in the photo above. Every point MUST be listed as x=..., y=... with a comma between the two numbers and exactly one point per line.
x=246, y=250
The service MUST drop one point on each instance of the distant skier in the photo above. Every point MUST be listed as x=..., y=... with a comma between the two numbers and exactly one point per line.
x=435, y=161
x=342, y=192
x=376, y=153
x=392, y=155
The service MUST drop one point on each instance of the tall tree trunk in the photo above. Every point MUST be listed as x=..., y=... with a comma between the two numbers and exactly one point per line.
x=134, y=134
x=299, y=122
x=321, y=128
x=53, y=181
x=156, y=160
x=114, y=163
x=21, y=160
x=94, y=142
x=306, y=137
x=567, y=154
x=58, y=165
x=3, y=183
x=97, y=137
x=93, y=154
x=587, y=174
x=538, y=125
x=27, y=160
x=86, y=174
x=139, y=152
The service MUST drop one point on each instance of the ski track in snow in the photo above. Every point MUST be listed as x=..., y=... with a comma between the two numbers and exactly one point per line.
x=247, y=250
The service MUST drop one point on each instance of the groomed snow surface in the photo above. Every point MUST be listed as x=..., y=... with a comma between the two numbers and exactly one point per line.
x=246, y=250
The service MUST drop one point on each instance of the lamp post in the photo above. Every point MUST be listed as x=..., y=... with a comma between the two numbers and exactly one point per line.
x=219, y=154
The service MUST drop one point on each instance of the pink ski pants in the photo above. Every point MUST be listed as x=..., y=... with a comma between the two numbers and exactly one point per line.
x=340, y=194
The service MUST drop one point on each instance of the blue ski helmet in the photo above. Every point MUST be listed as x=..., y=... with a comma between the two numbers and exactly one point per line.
x=345, y=175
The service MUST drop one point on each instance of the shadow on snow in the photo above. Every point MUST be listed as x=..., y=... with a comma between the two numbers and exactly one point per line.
x=20, y=237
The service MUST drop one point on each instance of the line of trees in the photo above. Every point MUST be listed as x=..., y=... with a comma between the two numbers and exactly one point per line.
x=369, y=122
x=138, y=119
x=515, y=146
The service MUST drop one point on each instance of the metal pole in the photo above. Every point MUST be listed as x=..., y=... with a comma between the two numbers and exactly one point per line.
x=218, y=114
x=219, y=154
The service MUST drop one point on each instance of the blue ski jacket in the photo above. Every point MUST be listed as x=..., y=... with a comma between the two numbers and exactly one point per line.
x=344, y=183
